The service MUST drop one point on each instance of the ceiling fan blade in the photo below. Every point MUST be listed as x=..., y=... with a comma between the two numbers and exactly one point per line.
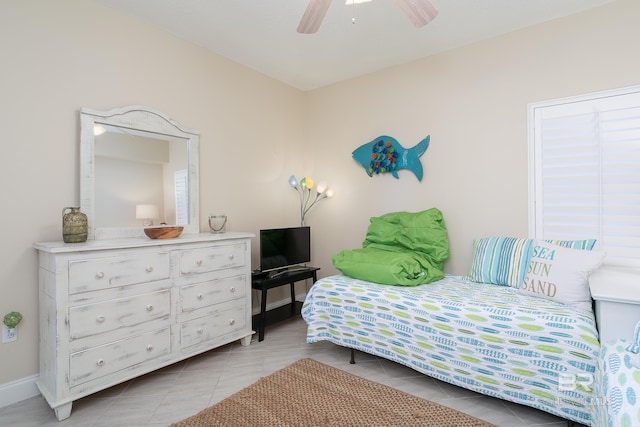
x=313, y=16
x=420, y=12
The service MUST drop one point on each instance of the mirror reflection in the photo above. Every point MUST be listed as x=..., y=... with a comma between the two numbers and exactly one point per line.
x=137, y=168
x=140, y=179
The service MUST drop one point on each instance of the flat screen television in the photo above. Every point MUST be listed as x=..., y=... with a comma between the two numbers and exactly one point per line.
x=283, y=248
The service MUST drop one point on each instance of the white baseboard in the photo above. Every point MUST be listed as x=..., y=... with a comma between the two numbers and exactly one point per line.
x=18, y=390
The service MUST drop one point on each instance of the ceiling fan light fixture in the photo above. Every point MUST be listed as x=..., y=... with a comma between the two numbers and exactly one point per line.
x=351, y=2
x=420, y=12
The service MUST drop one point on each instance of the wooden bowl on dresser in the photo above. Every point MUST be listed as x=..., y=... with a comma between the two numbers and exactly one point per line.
x=163, y=232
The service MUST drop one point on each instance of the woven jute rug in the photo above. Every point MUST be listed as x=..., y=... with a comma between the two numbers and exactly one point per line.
x=310, y=393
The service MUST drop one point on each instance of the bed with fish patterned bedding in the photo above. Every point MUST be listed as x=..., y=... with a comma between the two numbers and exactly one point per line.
x=487, y=338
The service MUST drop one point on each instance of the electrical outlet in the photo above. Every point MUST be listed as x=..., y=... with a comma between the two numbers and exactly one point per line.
x=9, y=334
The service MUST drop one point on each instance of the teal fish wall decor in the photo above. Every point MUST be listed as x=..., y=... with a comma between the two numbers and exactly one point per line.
x=385, y=155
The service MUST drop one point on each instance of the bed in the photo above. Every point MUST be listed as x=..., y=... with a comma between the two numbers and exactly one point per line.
x=486, y=338
x=519, y=326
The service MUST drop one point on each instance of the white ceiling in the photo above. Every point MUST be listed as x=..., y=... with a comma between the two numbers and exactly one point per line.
x=261, y=34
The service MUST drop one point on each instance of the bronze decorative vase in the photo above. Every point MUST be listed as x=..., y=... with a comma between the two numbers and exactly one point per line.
x=74, y=226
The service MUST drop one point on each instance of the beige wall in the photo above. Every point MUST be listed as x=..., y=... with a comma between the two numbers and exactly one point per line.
x=473, y=103
x=60, y=56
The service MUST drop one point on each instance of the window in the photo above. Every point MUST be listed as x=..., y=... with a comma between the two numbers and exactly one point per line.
x=182, y=199
x=584, y=171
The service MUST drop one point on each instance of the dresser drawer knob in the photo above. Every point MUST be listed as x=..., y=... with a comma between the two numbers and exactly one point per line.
x=200, y=331
x=231, y=257
x=100, y=318
x=149, y=307
x=99, y=275
x=149, y=269
x=232, y=322
x=199, y=262
x=200, y=296
x=149, y=347
x=232, y=289
x=100, y=362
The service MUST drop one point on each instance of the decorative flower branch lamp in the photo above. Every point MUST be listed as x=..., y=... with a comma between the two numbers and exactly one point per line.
x=304, y=188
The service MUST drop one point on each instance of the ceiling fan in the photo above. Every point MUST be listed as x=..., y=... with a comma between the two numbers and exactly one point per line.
x=419, y=12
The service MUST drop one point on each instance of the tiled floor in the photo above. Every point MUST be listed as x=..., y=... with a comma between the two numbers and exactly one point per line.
x=180, y=390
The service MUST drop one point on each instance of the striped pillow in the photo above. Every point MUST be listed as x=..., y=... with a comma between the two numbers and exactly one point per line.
x=500, y=260
x=587, y=244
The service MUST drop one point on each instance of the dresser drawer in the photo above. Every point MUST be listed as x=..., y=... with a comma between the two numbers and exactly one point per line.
x=212, y=292
x=210, y=327
x=105, y=360
x=93, y=319
x=102, y=273
x=195, y=261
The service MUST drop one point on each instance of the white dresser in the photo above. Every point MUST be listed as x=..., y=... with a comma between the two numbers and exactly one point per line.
x=111, y=310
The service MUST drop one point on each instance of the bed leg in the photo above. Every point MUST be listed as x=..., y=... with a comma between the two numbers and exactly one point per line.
x=353, y=357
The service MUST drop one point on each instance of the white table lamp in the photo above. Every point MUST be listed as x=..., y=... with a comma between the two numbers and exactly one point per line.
x=147, y=213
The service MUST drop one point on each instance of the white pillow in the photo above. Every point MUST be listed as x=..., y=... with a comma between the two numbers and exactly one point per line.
x=561, y=274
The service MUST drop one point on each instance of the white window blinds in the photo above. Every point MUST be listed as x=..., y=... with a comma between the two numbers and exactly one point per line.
x=584, y=155
x=181, y=196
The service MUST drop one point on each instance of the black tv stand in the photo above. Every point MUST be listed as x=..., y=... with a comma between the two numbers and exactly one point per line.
x=285, y=271
x=264, y=281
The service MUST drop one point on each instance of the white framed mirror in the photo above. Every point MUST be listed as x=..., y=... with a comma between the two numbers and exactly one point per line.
x=137, y=166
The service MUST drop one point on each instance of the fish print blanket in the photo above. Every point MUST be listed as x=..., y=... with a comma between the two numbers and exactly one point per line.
x=617, y=386
x=487, y=338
